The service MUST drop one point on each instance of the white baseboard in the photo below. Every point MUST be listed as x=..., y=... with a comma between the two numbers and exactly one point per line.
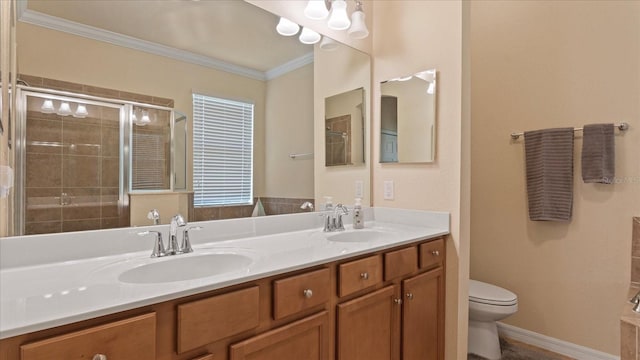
x=552, y=344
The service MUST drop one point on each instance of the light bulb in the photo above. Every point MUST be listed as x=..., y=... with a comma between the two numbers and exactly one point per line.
x=358, y=29
x=47, y=107
x=64, y=109
x=287, y=27
x=328, y=44
x=81, y=111
x=308, y=36
x=339, y=20
x=316, y=10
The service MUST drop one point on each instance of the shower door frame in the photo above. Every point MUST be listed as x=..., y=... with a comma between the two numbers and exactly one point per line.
x=126, y=112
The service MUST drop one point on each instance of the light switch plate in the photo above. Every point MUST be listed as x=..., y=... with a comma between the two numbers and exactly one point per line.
x=388, y=190
x=359, y=189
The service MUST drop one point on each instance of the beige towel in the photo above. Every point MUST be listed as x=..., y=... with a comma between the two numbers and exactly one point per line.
x=598, y=154
x=549, y=163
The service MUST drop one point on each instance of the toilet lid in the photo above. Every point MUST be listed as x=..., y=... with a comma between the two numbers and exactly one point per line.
x=490, y=294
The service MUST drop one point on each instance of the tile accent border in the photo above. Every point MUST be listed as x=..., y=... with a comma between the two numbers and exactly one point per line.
x=552, y=344
x=37, y=81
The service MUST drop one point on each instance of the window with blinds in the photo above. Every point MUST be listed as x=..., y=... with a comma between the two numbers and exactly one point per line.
x=222, y=151
x=150, y=167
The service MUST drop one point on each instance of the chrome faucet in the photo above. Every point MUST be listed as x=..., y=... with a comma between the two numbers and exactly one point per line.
x=176, y=221
x=154, y=215
x=636, y=302
x=333, y=220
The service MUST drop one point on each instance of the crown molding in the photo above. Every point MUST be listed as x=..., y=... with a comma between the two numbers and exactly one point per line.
x=55, y=23
x=289, y=66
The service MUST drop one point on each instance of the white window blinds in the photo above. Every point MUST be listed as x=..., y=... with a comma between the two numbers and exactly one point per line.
x=150, y=165
x=222, y=151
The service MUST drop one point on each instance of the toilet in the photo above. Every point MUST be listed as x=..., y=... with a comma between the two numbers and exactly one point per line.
x=487, y=304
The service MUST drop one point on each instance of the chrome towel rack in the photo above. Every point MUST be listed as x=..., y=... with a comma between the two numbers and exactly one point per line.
x=621, y=126
x=295, y=156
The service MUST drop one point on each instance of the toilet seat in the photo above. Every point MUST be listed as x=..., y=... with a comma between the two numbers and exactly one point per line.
x=483, y=293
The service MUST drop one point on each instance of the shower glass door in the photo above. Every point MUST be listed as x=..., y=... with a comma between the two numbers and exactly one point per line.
x=70, y=155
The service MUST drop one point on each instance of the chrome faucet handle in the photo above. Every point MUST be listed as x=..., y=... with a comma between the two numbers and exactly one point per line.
x=307, y=205
x=158, y=245
x=185, y=247
x=338, y=212
x=328, y=222
x=176, y=221
x=635, y=299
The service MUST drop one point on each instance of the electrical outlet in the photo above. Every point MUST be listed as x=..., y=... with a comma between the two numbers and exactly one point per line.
x=388, y=190
x=359, y=189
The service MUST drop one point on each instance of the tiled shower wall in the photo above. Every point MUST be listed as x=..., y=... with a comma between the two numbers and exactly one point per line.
x=272, y=206
x=630, y=320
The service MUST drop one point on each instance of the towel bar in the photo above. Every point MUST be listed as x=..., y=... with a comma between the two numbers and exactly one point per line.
x=621, y=126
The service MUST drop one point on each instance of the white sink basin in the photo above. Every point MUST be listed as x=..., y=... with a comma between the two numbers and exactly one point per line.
x=185, y=267
x=360, y=235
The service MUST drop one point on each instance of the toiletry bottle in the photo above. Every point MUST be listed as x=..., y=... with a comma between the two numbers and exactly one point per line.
x=358, y=220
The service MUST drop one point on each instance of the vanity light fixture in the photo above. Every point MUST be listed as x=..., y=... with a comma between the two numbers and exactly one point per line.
x=81, y=112
x=287, y=27
x=140, y=117
x=336, y=11
x=47, y=107
x=308, y=36
x=64, y=109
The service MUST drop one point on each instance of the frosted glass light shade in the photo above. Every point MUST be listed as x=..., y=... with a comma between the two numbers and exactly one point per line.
x=287, y=27
x=64, y=109
x=328, y=44
x=358, y=29
x=47, y=107
x=81, y=111
x=316, y=10
x=308, y=36
x=144, y=120
x=339, y=20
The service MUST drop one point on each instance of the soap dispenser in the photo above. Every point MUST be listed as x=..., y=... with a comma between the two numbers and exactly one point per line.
x=358, y=221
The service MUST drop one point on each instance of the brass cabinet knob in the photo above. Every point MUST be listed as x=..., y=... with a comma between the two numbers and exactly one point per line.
x=364, y=276
x=99, y=357
x=307, y=293
x=410, y=296
x=435, y=253
x=398, y=301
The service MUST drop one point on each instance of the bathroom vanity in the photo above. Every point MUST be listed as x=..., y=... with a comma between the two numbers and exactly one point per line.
x=376, y=293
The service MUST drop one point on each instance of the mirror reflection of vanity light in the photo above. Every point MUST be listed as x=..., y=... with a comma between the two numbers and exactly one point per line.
x=408, y=118
x=47, y=107
x=81, y=112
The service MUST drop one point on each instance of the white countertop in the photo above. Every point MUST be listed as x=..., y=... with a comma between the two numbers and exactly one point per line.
x=65, y=287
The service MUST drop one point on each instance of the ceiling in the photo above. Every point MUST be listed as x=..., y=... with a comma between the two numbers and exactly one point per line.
x=232, y=31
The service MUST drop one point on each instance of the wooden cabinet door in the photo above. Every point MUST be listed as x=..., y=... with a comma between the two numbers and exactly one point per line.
x=423, y=316
x=368, y=326
x=306, y=339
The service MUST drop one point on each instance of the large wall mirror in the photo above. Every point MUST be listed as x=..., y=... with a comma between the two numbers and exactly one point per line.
x=408, y=118
x=172, y=49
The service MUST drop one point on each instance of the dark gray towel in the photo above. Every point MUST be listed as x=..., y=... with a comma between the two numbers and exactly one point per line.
x=598, y=154
x=549, y=158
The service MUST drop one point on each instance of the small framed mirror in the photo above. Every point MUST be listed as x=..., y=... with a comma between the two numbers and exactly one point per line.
x=345, y=128
x=408, y=118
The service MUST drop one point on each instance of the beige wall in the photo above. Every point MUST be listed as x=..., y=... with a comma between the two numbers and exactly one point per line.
x=411, y=36
x=289, y=130
x=167, y=204
x=546, y=64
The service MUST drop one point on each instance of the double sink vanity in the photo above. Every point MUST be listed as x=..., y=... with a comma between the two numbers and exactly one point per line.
x=254, y=288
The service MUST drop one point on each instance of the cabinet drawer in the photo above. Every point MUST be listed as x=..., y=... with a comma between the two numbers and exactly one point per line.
x=204, y=321
x=359, y=274
x=400, y=262
x=300, y=292
x=306, y=339
x=129, y=339
x=432, y=254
